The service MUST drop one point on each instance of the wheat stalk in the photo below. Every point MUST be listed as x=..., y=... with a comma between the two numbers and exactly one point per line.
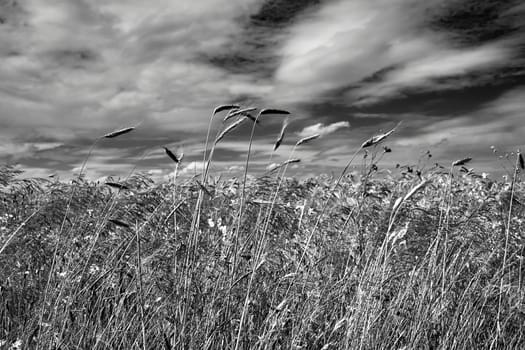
x=281, y=134
x=243, y=112
x=461, y=162
x=403, y=199
x=172, y=156
x=226, y=107
x=267, y=111
x=230, y=128
x=378, y=138
x=216, y=110
x=119, y=132
x=307, y=139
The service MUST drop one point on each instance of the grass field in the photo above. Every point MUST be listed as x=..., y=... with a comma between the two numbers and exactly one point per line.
x=412, y=259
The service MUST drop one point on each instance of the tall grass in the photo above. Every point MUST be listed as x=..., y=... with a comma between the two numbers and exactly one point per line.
x=422, y=259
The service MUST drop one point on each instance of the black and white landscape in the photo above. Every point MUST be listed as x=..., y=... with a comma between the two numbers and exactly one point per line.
x=262, y=174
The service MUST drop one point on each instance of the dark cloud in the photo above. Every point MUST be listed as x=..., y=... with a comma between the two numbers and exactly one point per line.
x=472, y=22
x=254, y=49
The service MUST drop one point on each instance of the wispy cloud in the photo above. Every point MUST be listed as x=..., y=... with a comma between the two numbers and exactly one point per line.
x=424, y=73
x=322, y=129
x=78, y=68
x=74, y=70
x=376, y=49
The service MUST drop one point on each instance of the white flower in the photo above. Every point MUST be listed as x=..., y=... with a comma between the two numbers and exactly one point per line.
x=93, y=269
x=223, y=229
x=17, y=345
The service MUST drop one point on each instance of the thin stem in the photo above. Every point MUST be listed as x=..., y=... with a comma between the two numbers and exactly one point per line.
x=237, y=231
x=507, y=233
x=140, y=288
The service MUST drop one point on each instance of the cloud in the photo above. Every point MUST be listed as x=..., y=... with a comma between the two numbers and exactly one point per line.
x=343, y=43
x=424, y=73
x=193, y=168
x=131, y=61
x=81, y=68
x=74, y=70
x=475, y=132
x=376, y=49
x=322, y=129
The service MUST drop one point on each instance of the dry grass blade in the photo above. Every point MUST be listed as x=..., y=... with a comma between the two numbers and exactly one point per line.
x=228, y=129
x=409, y=195
x=278, y=166
x=272, y=167
x=119, y=223
x=291, y=161
x=244, y=112
x=274, y=111
x=225, y=108
x=281, y=134
x=398, y=234
x=415, y=189
x=466, y=170
x=378, y=138
x=172, y=155
x=461, y=161
x=307, y=139
x=252, y=118
x=116, y=185
x=522, y=162
x=263, y=201
x=203, y=188
x=119, y=132
x=281, y=305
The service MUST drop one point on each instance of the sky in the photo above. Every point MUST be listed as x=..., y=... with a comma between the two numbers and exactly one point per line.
x=453, y=71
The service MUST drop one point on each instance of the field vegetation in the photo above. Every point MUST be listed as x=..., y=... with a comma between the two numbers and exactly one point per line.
x=420, y=257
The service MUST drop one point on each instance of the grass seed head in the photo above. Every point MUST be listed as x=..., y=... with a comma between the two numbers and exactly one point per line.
x=274, y=111
x=409, y=195
x=307, y=139
x=172, y=155
x=243, y=112
x=221, y=108
x=274, y=167
x=378, y=138
x=291, y=161
x=119, y=132
x=252, y=118
x=461, y=161
x=229, y=129
x=281, y=134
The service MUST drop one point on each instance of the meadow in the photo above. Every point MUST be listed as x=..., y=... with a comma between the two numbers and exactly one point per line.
x=425, y=257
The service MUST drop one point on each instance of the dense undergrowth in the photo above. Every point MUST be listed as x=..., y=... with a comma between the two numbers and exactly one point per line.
x=417, y=258
x=92, y=266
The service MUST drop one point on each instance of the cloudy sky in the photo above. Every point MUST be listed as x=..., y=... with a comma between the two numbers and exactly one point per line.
x=71, y=70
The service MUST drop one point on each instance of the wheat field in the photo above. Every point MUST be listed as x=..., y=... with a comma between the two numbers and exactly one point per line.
x=416, y=258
